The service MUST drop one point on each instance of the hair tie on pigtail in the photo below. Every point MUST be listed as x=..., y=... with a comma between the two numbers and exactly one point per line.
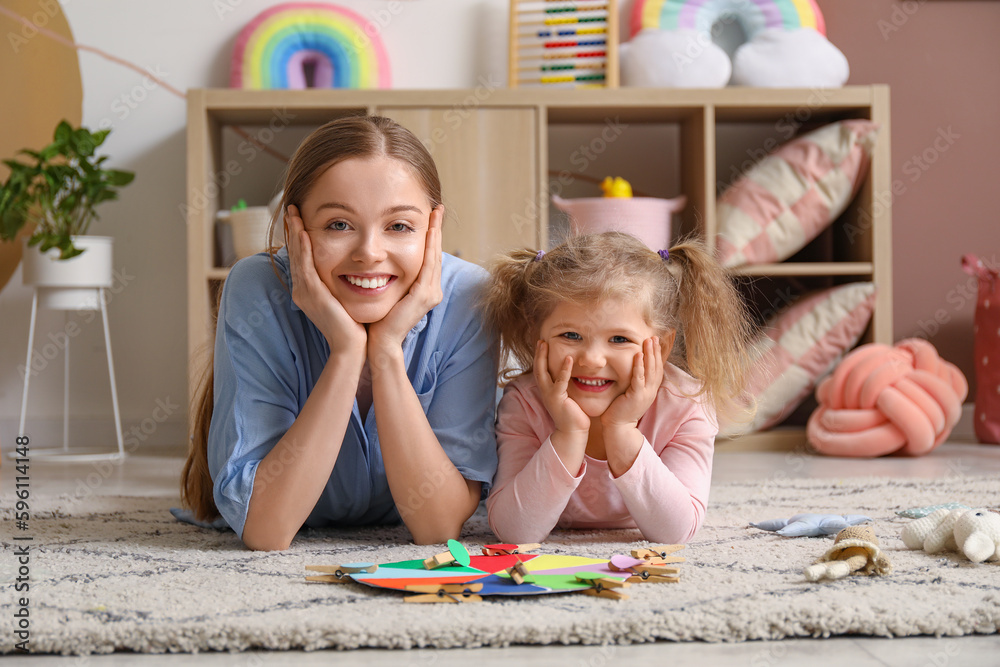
x=538, y=257
x=664, y=255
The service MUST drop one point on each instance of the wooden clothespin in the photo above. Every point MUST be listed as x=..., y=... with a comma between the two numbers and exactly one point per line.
x=660, y=555
x=439, y=560
x=519, y=573
x=456, y=553
x=602, y=586
x=444, y=593
x=644, y=571
x=655, y=574
x=508, y=549
x=339, y=574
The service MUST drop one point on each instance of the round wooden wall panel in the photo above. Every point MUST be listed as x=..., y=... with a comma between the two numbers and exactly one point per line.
x=41, y=81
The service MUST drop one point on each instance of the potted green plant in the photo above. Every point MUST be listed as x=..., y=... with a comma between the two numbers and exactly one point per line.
x=57, y=190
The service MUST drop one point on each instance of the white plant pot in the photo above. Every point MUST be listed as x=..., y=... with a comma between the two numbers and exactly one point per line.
x=70, y=284
x=249, y=228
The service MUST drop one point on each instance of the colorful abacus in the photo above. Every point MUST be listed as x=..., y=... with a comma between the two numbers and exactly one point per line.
x=564, y=43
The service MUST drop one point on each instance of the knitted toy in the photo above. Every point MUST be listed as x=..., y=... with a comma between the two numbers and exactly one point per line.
x=972, y=532
x=855, y=550
x=934, y=533
x=811, y=524
x=977, y=534
x=882, y=399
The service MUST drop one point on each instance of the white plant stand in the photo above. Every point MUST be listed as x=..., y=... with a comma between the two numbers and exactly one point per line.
x=56, y=292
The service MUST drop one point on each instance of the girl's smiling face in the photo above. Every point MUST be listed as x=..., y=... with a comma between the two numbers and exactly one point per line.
x=602, y=340
x=367, y=220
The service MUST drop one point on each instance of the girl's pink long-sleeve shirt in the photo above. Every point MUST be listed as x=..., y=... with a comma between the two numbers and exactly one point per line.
x=664, y=494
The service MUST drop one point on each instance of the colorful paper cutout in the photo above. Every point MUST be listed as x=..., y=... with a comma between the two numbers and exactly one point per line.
x=549, y=573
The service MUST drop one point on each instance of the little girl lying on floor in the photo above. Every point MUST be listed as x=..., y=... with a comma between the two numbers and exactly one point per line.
x=598, y=430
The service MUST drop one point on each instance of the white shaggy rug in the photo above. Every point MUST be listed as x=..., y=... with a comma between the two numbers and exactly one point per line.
x=120, y=573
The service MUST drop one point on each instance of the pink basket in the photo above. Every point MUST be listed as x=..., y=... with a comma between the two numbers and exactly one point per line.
x=986, y=348
x=647, y=218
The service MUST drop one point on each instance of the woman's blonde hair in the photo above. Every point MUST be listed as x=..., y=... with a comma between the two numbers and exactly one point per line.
x=336, y=141
x=688, y=293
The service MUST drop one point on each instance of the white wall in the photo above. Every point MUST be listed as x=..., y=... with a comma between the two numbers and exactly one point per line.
x=431, y=44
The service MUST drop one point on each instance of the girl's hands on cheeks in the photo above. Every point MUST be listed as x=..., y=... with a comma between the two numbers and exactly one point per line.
x=647, y=374
x=310, y=294
x=568, y=416
x=388, y=333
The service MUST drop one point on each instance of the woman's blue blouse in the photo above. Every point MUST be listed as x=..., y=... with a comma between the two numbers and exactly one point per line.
x=269, y=355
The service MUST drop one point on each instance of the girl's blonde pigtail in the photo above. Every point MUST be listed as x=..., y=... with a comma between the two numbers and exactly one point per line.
x=716, y=327
x=504, y=306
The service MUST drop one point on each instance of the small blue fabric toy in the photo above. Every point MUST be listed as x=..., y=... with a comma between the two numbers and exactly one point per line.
x=921, y=512
x=811, y=525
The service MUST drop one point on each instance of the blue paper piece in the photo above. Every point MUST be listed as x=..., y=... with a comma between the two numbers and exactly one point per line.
x=810, y=525
x=921, y=512
x=494, y=584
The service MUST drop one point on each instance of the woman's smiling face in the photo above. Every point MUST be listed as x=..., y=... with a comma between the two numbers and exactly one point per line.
x=367, y=221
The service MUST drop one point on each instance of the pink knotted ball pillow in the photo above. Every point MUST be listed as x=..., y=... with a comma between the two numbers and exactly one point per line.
x=883, y=399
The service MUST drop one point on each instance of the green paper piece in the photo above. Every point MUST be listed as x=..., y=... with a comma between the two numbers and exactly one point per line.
x=459, y=553
x=560, y=582
x=454, y=568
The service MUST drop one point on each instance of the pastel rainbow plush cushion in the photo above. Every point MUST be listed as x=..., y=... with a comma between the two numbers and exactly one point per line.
x=790, y=196
x=799, y=346
x=340, y=48
x=701, y=15
x=798, y=58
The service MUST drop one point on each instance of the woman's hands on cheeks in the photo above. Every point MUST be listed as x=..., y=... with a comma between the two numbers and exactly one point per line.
x=386, y=335
x=647, y=374
x=310, y=294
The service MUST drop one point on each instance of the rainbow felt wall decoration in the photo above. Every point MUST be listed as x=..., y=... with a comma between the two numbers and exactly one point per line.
x=701, y=15
x=309, y=45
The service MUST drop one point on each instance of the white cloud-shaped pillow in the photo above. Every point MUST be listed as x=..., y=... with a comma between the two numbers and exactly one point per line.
x=673, y=59
x=799, y=58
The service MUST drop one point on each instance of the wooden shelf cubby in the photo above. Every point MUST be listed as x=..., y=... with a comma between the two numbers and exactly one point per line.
x=502, y=153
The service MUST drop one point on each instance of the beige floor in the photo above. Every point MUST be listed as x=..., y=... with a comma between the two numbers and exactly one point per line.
x=156, y=473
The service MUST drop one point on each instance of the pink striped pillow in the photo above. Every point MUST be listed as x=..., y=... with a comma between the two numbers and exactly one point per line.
x=790, y=196
x=800, y=346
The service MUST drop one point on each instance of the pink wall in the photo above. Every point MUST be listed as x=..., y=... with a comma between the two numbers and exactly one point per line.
x=941, y=60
